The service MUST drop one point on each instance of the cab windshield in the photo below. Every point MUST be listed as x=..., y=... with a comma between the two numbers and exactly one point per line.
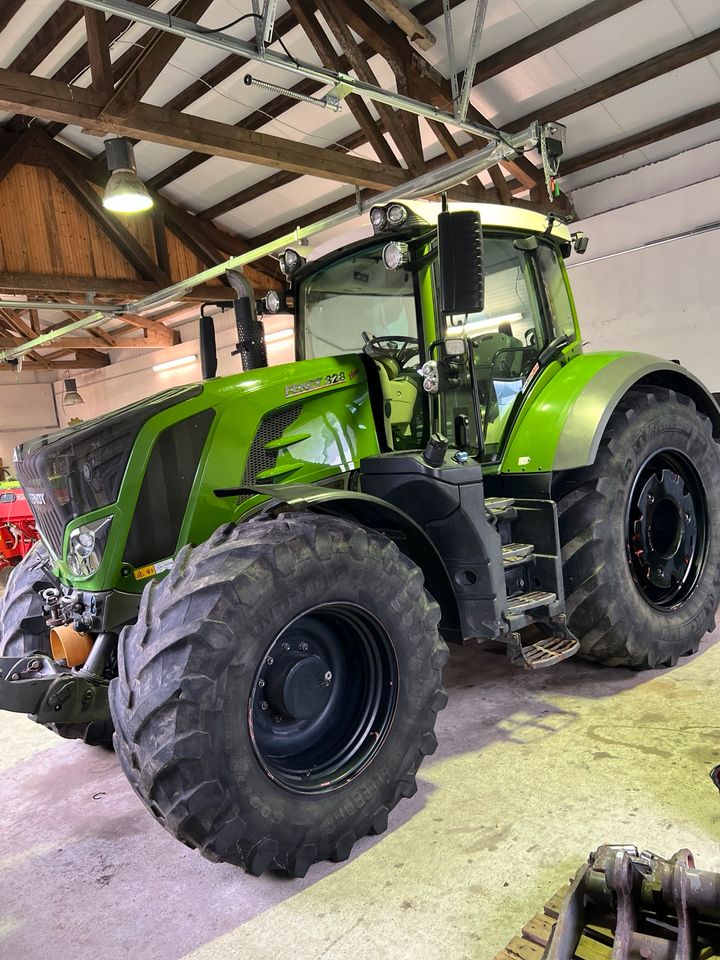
x=354, y=296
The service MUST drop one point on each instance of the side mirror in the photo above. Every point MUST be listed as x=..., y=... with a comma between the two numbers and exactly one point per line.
x=460, y=248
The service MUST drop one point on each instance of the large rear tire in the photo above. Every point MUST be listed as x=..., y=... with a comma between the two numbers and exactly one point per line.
x=279, y=691
x=23, y=631
x=640, y=534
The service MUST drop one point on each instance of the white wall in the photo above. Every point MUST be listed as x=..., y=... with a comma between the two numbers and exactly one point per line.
x=27, y=409
x=634, y=293
x=133, y=378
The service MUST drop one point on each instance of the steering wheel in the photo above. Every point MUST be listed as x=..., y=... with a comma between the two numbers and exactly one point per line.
x=400, y=349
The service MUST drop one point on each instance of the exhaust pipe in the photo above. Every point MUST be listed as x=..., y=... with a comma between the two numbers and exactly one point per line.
x=251, y=336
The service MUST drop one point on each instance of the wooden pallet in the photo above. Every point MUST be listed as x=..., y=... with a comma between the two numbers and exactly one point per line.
x=595, y=943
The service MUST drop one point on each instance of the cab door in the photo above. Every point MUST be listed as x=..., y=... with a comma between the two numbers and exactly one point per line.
x=526, y=307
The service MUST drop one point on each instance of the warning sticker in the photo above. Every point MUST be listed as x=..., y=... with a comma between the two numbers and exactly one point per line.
x=142, y=573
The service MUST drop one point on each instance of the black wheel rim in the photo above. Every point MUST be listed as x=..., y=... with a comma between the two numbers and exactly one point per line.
x=666, y=529
x=323, y=698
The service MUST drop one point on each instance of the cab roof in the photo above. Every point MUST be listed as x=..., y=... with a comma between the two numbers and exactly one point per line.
x=494, y=215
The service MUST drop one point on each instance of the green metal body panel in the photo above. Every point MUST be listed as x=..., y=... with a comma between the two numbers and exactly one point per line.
x=332, y=433
x=563, y=418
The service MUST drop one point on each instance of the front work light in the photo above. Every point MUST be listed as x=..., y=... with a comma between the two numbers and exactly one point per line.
x=291, y=261
x=395, y=255
x=86, y=545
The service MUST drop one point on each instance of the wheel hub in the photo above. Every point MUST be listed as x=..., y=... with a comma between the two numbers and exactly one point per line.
x=666, y=529
x=298, y=685
x=323, y=698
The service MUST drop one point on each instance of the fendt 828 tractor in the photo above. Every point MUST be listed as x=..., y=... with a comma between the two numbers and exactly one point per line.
x=252, y=580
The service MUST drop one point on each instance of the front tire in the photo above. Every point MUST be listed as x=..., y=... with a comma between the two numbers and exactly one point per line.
x=640, y=534
x=279, y=691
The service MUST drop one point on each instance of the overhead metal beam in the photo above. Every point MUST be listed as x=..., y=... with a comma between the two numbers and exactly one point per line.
x=224, y=41
x=427, y=184
x=472, y=57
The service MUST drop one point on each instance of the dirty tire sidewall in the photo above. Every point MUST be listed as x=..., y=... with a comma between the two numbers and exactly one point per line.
x=606, y=610
x=23, y=630
x=186, y=668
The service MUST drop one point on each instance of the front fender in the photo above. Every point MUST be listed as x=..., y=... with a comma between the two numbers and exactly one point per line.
x=375, y=514
x=561, y=425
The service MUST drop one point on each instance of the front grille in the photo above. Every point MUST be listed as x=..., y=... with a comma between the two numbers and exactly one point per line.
x=50, y=522
x=271, y=427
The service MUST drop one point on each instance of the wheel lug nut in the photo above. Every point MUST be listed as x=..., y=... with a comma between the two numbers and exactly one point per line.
x=328, y=677
x=263, y=705
x=651, y=498
x=286, y=647
x=261, y=683
x=276, y=718
x=269, y=661
x=303, y=647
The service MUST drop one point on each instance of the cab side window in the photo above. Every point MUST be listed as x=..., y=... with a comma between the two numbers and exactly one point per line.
x=554, y=282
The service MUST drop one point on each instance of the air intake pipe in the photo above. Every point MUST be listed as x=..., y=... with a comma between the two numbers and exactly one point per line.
x=251, y=337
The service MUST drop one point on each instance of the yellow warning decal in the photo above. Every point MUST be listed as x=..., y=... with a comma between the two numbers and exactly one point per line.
x=142, y=573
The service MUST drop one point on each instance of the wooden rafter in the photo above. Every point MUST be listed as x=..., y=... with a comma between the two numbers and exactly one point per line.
x=14, y=282
x=54, y=101
x=334, y=14
x=155, y=55
x=650, y=69
x=98, y=48
x=303, y=10
x=414, y=29
x=540, y=40
x=636, y=141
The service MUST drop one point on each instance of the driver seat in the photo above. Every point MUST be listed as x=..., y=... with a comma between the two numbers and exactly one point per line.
x=399, y=395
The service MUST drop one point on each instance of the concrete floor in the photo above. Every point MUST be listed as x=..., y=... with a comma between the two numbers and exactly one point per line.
x=533, y=771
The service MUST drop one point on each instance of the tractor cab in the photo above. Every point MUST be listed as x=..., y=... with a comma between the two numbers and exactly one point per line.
x=462, y=369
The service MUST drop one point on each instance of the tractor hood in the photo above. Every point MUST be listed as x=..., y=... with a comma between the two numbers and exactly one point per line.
x=78, y=470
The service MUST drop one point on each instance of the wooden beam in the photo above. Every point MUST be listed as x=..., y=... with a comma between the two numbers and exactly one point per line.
x=501, y=185
x=650, y=69
x=414, y=29
x=46, y=39
x=54, y=101
x=90, y=343
x=8, y=10
x=160, y=239
x=98, y=47
x=334, y=14
x=118, y=288
x=547, y=37
x=304, y=11
x=636, y=141
x=280, y=104
x=157, y=52
x=156, y=333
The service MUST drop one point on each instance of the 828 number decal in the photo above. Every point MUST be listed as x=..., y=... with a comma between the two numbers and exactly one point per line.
x=334, y=378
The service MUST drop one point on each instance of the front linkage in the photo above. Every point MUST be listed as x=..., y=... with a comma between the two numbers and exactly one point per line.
x=51, y=692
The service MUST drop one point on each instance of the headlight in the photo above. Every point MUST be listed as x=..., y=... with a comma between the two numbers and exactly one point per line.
x=291, y=261
x=272, y=301
x=86, y=546
x=395, y=254
x=397, y=214
x=378, y=219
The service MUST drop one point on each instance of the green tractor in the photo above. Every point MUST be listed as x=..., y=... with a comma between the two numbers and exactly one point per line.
x=252, y=580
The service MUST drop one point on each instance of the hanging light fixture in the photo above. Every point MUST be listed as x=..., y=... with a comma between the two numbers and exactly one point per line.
x=125, y=192
x=71, y=397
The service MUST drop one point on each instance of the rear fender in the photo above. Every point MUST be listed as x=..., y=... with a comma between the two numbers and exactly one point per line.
x=386, y=519
x=563, y=423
